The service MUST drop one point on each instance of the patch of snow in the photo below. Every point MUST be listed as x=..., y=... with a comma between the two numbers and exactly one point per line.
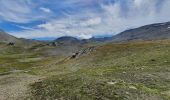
x=168, y=27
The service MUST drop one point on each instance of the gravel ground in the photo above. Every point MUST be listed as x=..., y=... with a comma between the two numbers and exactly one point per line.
x=15, y=86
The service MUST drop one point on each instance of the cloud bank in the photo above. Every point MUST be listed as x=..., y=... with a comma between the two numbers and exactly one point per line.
x=82, y=18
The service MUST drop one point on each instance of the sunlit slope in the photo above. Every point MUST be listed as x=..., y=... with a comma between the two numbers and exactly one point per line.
x=21, y=58
x=130, y=71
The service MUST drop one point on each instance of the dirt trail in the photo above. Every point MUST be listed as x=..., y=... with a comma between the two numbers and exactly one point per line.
x=15, y=86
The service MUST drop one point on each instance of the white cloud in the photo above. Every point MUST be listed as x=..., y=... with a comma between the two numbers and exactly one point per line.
x=24, y=27
x=47, y=10
x=110, y=20
x=21, y=11
x=91, y=22
x=12, y=10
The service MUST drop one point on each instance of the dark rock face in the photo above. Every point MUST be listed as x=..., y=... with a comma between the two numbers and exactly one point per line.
x=74, y=55
x=11, y=43
x=52, y=44
x=148, y=32
x=82, y=52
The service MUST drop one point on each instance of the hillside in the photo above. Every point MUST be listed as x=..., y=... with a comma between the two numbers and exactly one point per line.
x=66, y=40
x=120, y=71
x=93, y=69
x=4, y=37
x=156, y=31
x=126, y=71
x=149, y=32
x=7, y=38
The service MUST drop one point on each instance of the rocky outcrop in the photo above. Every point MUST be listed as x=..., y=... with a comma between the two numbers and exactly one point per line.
x=83, y=52
x=11, y=43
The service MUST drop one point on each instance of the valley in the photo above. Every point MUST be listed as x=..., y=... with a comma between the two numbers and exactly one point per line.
x=93, y=69
x=120, y=71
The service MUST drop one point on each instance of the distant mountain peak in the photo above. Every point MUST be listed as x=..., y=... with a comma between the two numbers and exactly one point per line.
x=4, y=37
x=156, y=31
x=7, y=38
x=67, y=38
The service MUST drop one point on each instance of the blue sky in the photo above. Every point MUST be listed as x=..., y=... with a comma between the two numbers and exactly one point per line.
x=79, y=18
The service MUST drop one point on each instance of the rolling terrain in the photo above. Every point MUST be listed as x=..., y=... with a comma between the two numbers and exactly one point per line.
x=133, y=65
x=127, y=71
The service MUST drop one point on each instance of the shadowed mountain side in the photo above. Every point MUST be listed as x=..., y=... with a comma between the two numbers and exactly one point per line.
x=149, y=32
x=4, y=37
x=11, y=40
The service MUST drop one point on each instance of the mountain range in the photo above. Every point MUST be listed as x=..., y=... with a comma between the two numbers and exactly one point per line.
x=156, y=31
x=132, y=65
x=149, y=32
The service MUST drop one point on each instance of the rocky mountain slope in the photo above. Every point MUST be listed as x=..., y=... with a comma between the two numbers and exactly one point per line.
x=156, y=31
x=4, y=37
x=149, y=32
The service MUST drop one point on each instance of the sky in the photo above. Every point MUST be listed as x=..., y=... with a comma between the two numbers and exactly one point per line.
x=79, y=18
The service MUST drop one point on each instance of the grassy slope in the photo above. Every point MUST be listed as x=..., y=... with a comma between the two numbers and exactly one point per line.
x=20, y=66
x=130, y=71
x=136, y=70
x=21, y=58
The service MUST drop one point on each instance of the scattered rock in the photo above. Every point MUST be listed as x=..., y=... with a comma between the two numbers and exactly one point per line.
x=166, y=93
x=11, y=43
x=153, y=60
x=26, y=71
x=53, y=44
x=165, y=61
x=133, y=87
x=127, y=92
x=112, y=83
x=74, y=55
x=124, y=72
x=82, y=52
